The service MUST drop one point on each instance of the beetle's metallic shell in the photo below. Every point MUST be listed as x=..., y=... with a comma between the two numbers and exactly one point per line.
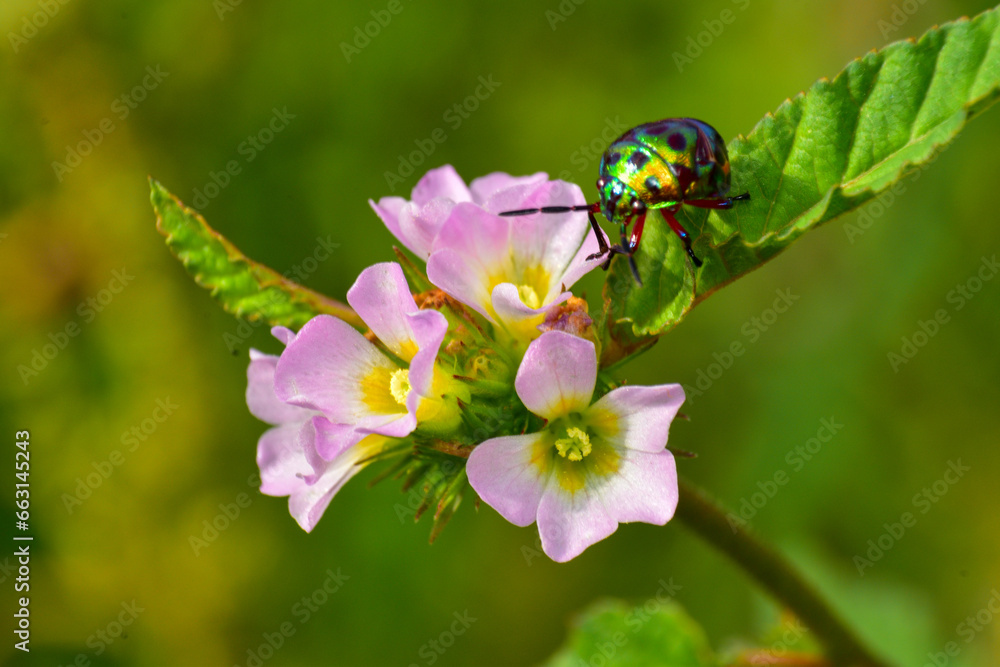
x=667, y=162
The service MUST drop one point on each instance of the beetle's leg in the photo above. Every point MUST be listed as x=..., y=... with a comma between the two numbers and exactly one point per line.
x=682, y=233
x=628, y=245
x=726, y=202
x=615, y=249
x=611, y=251
x=598, y=232
x=625, y=248
x=621, y=248
x=633, y=242
x=633, y=245
x=721, y=203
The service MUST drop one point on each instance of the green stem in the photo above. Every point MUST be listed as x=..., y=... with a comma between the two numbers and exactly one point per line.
x=705, y=517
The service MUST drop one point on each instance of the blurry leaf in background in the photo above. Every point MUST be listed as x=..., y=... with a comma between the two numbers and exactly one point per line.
x=651, y=634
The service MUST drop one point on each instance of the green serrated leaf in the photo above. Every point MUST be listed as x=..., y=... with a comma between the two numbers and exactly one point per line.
x=243, y=287
x=612, y=632
x=821, y=154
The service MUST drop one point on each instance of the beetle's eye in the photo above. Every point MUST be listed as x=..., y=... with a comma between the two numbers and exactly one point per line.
x=637, y=205
x=601, y=182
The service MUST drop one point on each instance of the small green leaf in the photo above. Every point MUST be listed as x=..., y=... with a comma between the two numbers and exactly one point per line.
x=612, y=632
x=243, y=287
x=821, y=154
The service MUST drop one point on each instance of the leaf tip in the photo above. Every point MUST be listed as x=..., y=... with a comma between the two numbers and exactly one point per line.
x=156, y=188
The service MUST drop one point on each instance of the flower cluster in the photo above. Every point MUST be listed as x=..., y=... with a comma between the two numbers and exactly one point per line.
x=488, y=374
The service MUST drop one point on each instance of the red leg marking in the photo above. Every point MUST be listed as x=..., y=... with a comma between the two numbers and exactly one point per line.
x=682, y=233
x=633, y=242
x=676, y=226
x=723, y=202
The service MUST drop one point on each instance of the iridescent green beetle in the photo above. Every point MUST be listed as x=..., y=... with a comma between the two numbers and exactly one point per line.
x=660, y=165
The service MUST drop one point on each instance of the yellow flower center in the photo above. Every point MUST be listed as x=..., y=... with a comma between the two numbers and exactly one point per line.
x=399, y=385
x=576, y=452
x=529, y=296
x=575, y=445
x=381, y=391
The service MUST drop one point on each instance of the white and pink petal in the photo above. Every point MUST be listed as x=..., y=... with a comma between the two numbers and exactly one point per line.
x=284, y=334
x=568, y=523
x=307, y=504
x=325, y=368
x=282, y=461
x=637, y=417
x=420, y=225
x=326, y=440
x=333, y=439
x=416, y=223
x=389, y=209
x=644, y=488
x=549, y=240
x=429, y=328
x=499, y=192
x=381, y=297
x=442, y=182
x=471, y=255
x=518, y=318
x=308, y=501
x=261, y=400
x=557, y=375
x=510, y=474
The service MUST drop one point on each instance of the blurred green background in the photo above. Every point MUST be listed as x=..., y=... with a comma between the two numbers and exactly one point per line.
x=223, y=68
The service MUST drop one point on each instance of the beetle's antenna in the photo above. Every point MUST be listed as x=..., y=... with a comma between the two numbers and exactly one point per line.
x=549, y=209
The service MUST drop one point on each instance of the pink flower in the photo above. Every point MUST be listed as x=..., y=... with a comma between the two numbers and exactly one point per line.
x=515, y=269
x=286, y=454
x=416, y=223
x=510, y=269
x=332, y=369
x=335, y=397
x=592, y=466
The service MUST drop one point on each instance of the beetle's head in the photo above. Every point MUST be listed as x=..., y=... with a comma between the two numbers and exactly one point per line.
x=618, y=201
